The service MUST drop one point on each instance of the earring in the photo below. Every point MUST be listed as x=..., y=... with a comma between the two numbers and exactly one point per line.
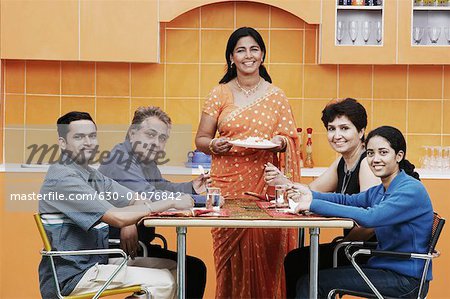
x=232, y=64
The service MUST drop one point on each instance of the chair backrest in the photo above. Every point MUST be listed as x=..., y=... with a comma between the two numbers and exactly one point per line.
x=438, y=225
x=42, y=232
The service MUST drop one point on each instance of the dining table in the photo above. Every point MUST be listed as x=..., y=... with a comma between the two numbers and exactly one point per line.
x=246, y=214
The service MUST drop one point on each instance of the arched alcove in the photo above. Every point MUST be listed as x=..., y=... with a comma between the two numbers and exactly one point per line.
x=307, y=10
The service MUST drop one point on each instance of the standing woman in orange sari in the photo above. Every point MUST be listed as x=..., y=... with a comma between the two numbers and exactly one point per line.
x=249, y=262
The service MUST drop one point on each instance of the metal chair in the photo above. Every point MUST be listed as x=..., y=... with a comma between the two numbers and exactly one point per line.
x=145, y=243
x=438, y=224
x=102, y=292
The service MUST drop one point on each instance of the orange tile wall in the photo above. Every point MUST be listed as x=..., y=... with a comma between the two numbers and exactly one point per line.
x=416, y=99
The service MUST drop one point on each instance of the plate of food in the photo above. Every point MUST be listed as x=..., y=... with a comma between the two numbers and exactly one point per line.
x=253, y=142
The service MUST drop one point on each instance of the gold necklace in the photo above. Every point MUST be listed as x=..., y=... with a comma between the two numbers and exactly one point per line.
x=248, y=92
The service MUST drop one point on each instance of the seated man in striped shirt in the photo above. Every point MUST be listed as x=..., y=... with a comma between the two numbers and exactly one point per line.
x=80, y=219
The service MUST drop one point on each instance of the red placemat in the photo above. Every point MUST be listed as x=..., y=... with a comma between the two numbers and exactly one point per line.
x=270, y=209
x=193, y=213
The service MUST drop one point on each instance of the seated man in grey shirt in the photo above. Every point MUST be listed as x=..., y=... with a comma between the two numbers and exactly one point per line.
x=79, y=220
x=133, y=164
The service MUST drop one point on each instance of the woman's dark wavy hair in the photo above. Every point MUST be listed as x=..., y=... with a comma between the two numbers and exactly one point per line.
x=398, y=143
x=348, y=107
x=232, y=41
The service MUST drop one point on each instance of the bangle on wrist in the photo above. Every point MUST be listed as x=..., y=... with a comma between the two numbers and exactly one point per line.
x=210, y=146
x=283, y=143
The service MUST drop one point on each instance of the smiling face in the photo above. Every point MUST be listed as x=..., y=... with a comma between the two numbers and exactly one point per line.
x=247, y=55
x=80, y=142
x=343, y=136
x=149, y=139
x=382, y=159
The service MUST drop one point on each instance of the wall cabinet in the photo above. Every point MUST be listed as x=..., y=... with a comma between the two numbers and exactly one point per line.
x=39, y=29
x=352, y=34
x=415, y=45
x=80, y=30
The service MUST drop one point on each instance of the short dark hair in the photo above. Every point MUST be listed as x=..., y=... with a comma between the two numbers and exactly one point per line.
x=348, y=107
x=398, y=143
x=64, y=121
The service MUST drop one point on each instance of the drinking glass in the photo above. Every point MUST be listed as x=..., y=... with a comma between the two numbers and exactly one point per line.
x=447, y=34
x=353, y=30
x=213, y=198
x=417, y=34
x=379, y=32
x=418, y=2
x=434, y=158
x=434, y=33
x=366, y=28
x=281, y=200
x=339, y=31
x=425, y=159
x=446, y=159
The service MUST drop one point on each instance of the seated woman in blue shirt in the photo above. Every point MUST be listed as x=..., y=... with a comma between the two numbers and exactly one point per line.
x=399, y=209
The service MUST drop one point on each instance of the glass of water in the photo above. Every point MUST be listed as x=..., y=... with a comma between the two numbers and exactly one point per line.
x=281, y=200
x=213, y=198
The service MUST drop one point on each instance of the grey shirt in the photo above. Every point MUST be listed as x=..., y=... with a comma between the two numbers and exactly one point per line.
x=123, y=167
x=74, y=221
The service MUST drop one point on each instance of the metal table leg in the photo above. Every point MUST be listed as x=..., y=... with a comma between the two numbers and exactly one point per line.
x=313, y=261
x=181, y=262
x=301, y=237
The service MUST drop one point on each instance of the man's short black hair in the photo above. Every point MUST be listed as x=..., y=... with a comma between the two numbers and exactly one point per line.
x=64, y=121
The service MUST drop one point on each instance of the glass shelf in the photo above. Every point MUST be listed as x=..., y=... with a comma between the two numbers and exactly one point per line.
x=430, y=26
x=431, y=8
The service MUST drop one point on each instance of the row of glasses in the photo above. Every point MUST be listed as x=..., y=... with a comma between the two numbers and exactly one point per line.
x=353, y=30
x=431, y=2
x=433, y=33
x=436, y=157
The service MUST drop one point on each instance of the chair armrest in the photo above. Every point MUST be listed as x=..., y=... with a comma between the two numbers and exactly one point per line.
x=395, y=254
x=52, y=254
x=163, y=240
x=340, y=245
x=84, y=252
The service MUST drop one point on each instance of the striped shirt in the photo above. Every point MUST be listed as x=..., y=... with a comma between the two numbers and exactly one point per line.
x=74, y=222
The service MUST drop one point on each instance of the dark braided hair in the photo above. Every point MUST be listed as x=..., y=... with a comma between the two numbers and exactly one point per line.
x=398, y=143
x=232, y=41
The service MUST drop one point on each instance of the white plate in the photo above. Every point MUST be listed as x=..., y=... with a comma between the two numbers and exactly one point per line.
x=252, y=144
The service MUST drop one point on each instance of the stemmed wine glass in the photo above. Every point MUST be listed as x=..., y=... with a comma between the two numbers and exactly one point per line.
x=353, y=30
x=434, y=33
x=339, y=31
x=366, y=28
x=417, y=34
x=379, y=32
x=447, y=34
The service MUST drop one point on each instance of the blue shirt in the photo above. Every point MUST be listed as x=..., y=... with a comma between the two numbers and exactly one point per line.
x=402, y=217
x=74, y=223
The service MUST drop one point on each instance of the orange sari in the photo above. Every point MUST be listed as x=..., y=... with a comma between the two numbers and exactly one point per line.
x=249, y=262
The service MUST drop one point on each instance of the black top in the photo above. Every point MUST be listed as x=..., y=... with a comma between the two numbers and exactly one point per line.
x=348, y=182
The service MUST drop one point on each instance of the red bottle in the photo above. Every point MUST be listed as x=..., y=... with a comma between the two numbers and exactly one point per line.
x=309, y=163
x=300, y=137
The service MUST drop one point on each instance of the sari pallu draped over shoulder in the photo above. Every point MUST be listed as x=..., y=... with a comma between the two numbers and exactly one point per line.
x=249, y=262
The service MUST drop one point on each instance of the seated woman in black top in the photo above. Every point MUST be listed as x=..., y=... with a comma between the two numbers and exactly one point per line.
x=345, y=121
